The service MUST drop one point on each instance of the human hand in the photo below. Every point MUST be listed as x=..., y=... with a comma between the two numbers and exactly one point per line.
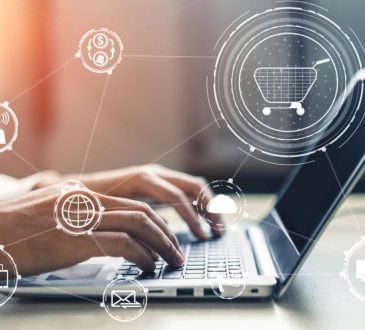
x=128, y=229
x=161, y=184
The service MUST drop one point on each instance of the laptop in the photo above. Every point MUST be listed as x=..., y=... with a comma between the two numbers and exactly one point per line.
x=267, y=254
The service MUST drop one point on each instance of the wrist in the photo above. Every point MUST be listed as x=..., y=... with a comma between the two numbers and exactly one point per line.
x=44, y=179
x=113, y=182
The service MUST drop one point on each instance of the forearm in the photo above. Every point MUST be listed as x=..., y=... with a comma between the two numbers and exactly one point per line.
x=13, y=187
x=100, y=182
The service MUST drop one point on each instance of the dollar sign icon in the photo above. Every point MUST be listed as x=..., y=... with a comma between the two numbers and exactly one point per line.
x=100, y=40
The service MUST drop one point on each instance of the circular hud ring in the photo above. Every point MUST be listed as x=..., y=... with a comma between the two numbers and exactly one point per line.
x=229, y=200
x=280, y=80
x=78, y=211
x=354, y=271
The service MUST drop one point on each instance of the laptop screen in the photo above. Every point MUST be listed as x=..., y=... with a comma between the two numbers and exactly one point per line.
x=310, y=197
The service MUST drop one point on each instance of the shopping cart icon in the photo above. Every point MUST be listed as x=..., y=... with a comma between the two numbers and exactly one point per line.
x=286, y=85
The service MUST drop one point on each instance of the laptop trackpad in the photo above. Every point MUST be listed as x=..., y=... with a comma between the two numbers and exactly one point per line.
x=78, y=272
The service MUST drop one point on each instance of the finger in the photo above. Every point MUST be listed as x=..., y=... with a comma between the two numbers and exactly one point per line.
x=121, y=245
x=155, y=256
x=114, y=204
x=139, y=226
x=166, y=193
x=192, y=186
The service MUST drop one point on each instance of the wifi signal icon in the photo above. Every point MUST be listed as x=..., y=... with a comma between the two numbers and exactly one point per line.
x=5, y=118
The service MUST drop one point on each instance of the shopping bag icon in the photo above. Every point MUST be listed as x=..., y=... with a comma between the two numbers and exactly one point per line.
x=2, y=136
x=4, y=277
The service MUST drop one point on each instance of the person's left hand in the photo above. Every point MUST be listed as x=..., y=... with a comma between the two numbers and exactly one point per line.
x=163, y=185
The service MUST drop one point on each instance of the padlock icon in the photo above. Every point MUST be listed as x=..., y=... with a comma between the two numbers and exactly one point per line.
x=4, y=277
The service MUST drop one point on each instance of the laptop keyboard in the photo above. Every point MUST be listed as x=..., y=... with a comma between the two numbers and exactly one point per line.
x=209, y=259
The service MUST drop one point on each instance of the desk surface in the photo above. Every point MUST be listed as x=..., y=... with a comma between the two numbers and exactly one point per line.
x=318, y=298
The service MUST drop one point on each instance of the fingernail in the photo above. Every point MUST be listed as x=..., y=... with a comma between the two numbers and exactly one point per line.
x=218, y=231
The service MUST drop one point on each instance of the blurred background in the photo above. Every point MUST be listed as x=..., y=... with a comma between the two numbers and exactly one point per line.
x=155, y=107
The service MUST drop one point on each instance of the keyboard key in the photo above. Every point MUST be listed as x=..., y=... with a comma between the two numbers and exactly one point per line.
x=194, y=276
x=215, y=266
x=215, y=275
x=234, y=267
x=217, y=272
x=149, y=276
x=122, y=272
x=196, y=259
x=216, y=269
x=195, y=271
x=195, y=267
x=196, y=263
x=172, y=275
x=216, y=262
x=236, y=264
x=235, y=272
x=123, y=267
x=173, y=269
x=197, y=255
x=133, y=272
x=216, y=259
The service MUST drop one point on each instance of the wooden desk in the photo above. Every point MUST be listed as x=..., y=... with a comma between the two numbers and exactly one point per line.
x=318, y=298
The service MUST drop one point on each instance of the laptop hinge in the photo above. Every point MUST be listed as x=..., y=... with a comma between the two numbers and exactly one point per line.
x=261, y=251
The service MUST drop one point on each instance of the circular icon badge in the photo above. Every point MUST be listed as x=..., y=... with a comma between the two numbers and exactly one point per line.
x=124, y=300
x=228, y=201
x=8, y=127
x=280, y=81
x=227, y=278
x=78, y=211
x=8, y=276
x=228, y=288
x=354, y=271
x=100, y=50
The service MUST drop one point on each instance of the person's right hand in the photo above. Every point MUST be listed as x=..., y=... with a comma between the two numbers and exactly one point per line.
x=128, y=229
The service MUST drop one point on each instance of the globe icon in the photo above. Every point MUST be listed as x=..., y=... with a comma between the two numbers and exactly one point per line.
x=78, y=211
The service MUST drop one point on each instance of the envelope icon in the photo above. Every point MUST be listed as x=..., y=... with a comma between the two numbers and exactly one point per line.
x=124, y=299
